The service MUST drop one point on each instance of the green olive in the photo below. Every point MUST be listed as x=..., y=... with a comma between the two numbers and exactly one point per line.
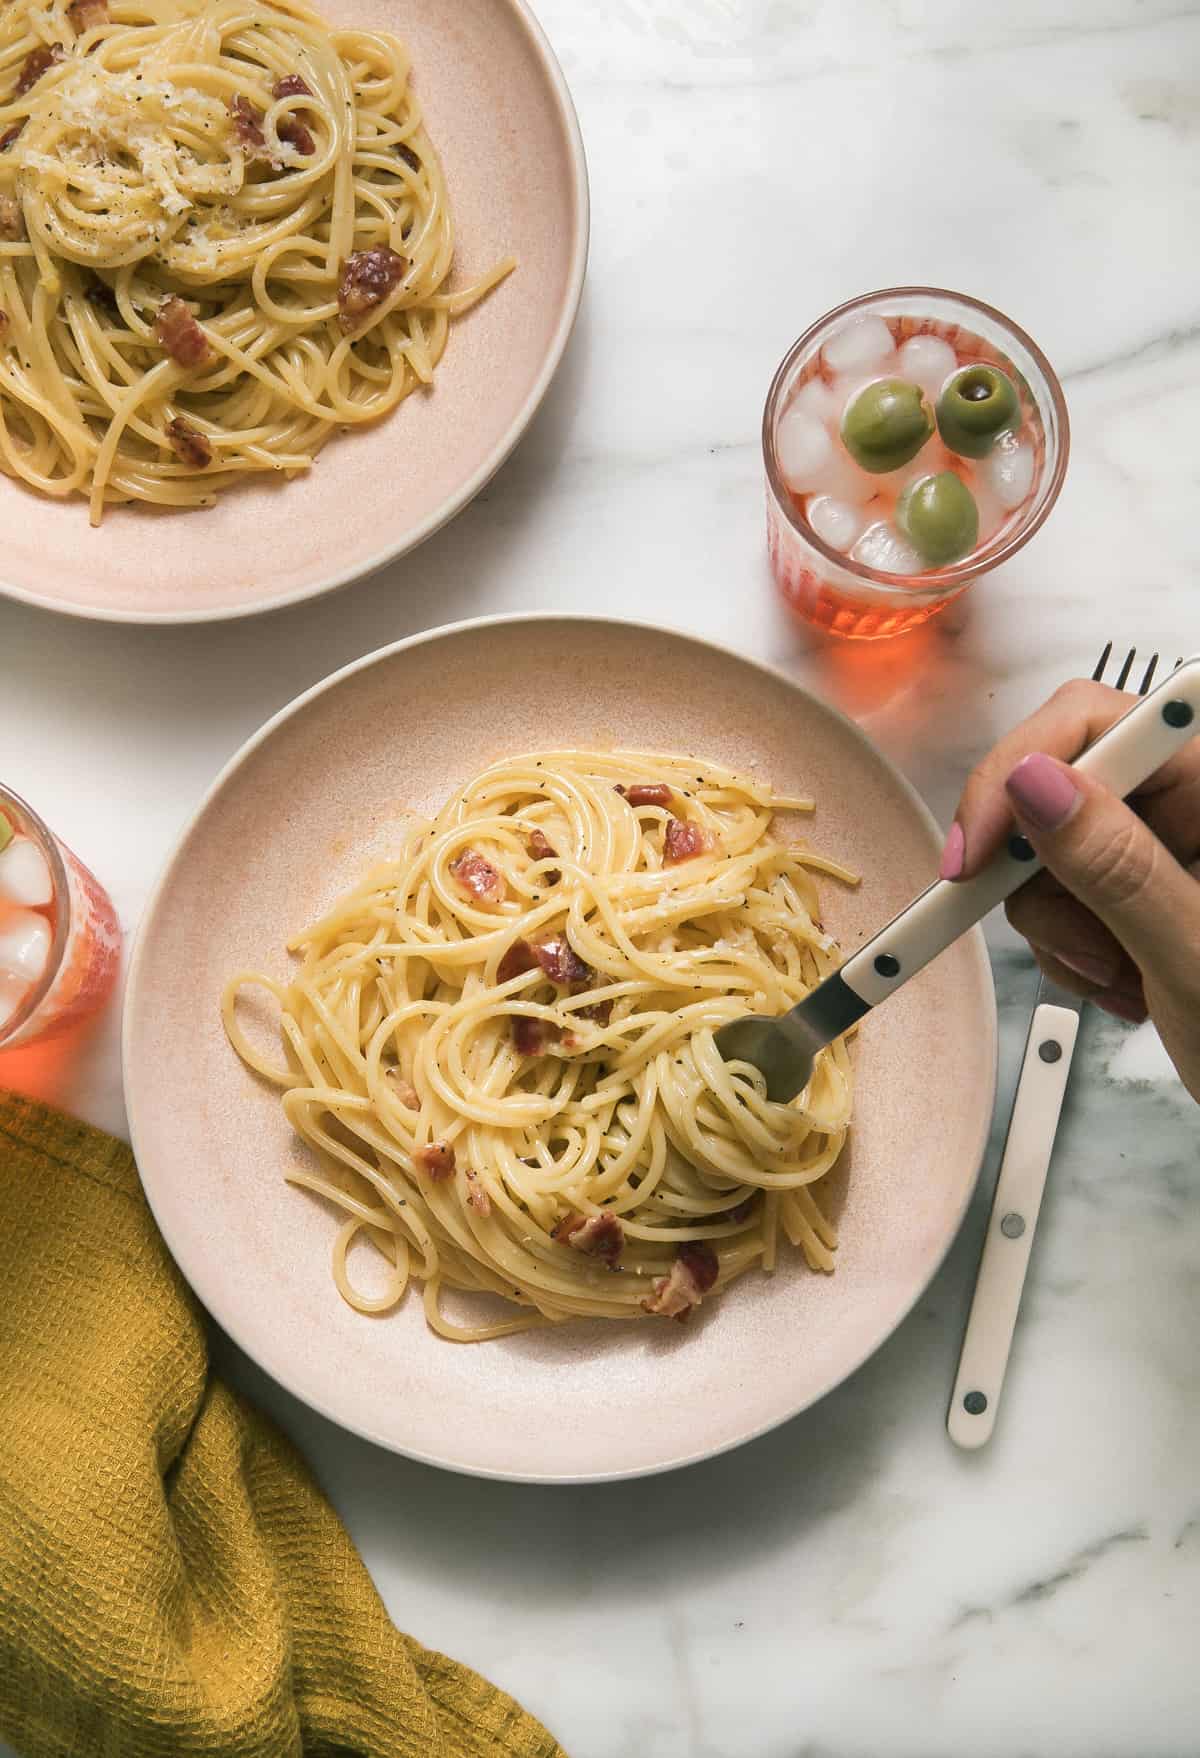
x=886, y=424
x=939, y=517
x=978, y=403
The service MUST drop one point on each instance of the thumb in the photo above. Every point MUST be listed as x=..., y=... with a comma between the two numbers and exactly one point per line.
x=1113, y=863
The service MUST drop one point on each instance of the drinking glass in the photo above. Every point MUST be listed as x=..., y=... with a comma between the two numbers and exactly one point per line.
x=847, y=597
x=85, y=938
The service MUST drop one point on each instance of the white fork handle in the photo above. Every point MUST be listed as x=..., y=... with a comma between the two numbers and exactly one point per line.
x=1009, y=1238
x=1122, y=758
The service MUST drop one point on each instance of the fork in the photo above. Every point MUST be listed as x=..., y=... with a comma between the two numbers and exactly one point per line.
x=784, y=1048
x=1122, y=677
x=1020, y=1183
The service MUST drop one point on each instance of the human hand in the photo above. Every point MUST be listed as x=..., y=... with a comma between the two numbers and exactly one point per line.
x=1115, y=916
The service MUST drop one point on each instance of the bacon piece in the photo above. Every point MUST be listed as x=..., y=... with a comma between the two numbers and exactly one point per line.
x=37, y=62
x=12, y=220
x=178, y=334
x=478, y=876
x=683, y=841
x=692, y=1275
x=531, y=1035
x=10, y=134
x=477, y=1197
x=297, y=135
x=599, y=1236
x=246, y=122
x=600, y=1011
x=404, y=1090
x=189, y=445
x=293, y=127
x=519, y=958
x=291, y=86
x=405, y=152
x=647, y=793
x=701, y=1263
x=540, y=849
x=247, y=126
x=87, y=15
x=437, y=1159
x=561, y=963
x=367, y=279
x=741, y=1211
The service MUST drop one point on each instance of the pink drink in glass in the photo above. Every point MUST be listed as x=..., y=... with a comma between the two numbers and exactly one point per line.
x=839, y=557
x=60, y=943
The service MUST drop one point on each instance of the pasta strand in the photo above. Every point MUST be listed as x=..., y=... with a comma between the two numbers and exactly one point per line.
x=506, y=1033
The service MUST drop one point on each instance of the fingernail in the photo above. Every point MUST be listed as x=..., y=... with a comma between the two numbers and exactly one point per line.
x=1044, y=794
x=952, y=854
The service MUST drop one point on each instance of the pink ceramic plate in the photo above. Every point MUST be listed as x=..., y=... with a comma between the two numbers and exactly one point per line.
x=322, y=791
x=499, y=112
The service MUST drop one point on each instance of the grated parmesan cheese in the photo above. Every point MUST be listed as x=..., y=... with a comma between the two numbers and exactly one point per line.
x=116, y=137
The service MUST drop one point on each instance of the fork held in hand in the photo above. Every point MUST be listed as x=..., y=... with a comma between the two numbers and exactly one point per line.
x=1020, y=1182
x=784, y=1048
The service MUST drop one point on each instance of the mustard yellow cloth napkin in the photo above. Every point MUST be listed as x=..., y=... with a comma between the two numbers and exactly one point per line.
x=171, y=1580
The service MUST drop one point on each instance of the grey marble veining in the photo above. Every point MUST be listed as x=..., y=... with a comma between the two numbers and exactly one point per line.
x=850, y=1586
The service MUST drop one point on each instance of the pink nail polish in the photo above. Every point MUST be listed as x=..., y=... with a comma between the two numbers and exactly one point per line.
x=1043, y=793
x=1100, y=971
x=952, y=854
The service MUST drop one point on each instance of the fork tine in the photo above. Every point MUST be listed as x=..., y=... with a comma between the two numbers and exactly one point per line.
x=1127, y=666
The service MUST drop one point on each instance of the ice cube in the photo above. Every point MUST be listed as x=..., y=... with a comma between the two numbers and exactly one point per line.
x=25, y=874
x=845, y=480
x=836, y=523
x=881, y=546
x=13, y=991
x=864, y=344
x=1008, y=470
x=804, y=449
x=813, y=460
x=815, y=398
x=24, y=945
x=991, y=514
x=928, y=362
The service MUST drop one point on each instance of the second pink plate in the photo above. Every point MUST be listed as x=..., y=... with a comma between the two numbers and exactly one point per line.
x=501, y=117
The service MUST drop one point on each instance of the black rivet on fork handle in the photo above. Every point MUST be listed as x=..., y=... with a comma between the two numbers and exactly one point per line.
x=1178, y=714
x=974, y=1403
x=887, y=965
x=1021, y=849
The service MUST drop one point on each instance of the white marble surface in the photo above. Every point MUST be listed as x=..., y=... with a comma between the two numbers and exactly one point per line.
x=850, y=1586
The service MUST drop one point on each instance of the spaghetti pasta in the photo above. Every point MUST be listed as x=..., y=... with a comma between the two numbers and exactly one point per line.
x=500, y=1045
x=224, y=233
